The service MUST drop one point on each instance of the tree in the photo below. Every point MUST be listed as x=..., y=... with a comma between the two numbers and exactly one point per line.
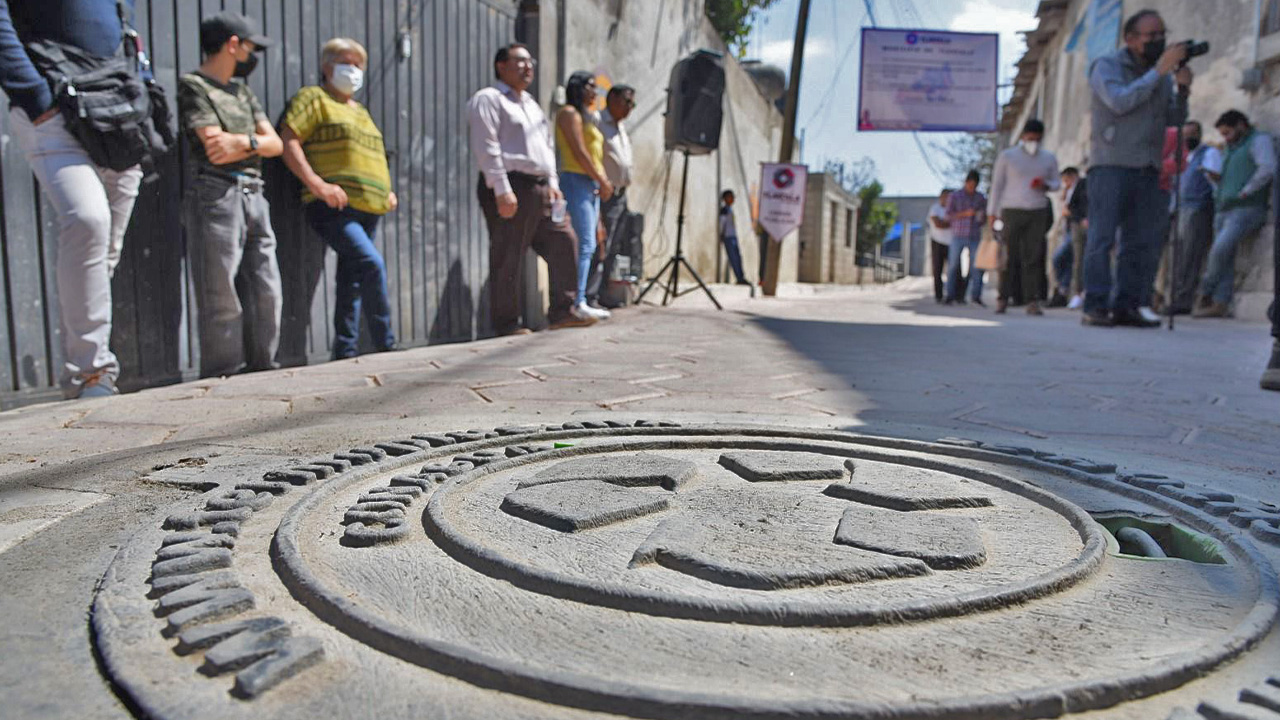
x=875, y=218
x=852, y=175
x=733, y=19
x=970, y=151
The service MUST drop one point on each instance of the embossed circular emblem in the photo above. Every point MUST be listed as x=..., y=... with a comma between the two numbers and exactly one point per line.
x=653, y=570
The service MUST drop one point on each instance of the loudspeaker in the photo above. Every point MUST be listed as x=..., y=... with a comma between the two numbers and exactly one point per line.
x=695, y=107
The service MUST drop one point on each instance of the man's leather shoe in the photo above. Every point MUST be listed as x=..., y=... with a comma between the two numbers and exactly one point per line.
x=1212, y=310
x=1271, y=376
x=1058, y=300
x=1096, y=319
x=1131, y=318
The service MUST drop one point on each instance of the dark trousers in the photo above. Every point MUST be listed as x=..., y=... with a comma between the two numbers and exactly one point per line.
x=1127, y=202
x=735, y=256
x=361, y=277
x=938, y=255
x=509, y=238
x=1195, y=235
x=1068, y=260
x=612, y=211
x=1024, y=237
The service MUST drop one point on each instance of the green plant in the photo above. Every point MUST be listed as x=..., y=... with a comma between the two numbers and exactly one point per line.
x=875, y=219
x=733, y=19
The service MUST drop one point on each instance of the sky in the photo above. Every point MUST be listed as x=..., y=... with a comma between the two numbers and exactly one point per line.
x=831, y=64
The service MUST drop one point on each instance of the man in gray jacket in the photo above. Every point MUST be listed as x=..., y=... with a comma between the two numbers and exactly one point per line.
x=1137, y=91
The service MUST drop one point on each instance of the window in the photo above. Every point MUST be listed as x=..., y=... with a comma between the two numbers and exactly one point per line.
x=848, y=228
x=1271, y=17
x=834, y=209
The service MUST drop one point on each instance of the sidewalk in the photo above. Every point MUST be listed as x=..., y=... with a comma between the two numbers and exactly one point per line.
x=883, y=360
x=76, y=478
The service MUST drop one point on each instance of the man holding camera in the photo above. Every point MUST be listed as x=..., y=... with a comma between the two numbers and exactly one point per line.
x=1138, y=91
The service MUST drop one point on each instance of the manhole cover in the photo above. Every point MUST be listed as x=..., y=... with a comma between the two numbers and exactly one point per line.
x=650, y=570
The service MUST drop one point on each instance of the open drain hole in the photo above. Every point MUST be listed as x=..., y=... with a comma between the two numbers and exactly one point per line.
x=1137, y=538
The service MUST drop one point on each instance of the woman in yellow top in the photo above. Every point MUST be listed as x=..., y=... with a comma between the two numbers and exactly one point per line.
x=580, y=145
x=333, y=147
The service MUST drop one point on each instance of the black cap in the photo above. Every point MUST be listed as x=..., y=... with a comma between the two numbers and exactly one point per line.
x=218, y=29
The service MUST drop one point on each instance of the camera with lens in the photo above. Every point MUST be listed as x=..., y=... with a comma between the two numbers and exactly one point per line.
x=1196, y=49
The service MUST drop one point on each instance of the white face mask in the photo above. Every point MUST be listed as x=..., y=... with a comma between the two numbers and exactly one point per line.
x=347, y=79
x=1031, y=146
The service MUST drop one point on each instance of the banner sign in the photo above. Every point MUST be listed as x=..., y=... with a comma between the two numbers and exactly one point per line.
x=782, y=192
x=928, y=81
x=1103, y=17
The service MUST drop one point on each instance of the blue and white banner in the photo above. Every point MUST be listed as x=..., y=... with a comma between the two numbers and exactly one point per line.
x=928, y=81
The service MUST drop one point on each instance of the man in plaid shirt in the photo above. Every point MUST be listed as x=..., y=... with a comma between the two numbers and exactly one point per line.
x=967, y=212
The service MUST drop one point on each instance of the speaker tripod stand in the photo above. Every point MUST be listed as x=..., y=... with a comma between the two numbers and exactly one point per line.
x=671, y=289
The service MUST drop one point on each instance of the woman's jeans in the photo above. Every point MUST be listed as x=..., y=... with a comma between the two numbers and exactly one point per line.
x=584, y=214
x=362, y=277
x=1229, y=228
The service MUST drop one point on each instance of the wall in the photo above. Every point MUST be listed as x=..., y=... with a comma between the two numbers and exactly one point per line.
x=914, y=210
x=1063, y=88
x=435, y=245
x=828, y=243
x=635, y=42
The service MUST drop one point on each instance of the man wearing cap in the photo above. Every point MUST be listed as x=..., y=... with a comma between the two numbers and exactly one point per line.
x=91, y=204
x=225, y=213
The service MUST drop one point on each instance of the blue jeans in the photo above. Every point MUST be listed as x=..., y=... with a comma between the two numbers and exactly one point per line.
x=958, y=245
x=1128, y=202
x=362, y=277
x=1229, y=228
x=584, y=214
x=735, y=256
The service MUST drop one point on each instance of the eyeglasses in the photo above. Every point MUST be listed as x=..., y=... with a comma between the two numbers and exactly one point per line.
x=531, y=62
x=1160, y=35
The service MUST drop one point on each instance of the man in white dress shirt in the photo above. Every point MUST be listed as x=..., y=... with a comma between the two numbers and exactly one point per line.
x=520, y=195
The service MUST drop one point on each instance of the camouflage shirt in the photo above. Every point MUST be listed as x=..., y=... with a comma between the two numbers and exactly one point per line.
x=205, y=102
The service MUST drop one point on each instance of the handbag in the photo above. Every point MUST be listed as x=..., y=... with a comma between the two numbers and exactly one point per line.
x=108, y=107
x=989, y=255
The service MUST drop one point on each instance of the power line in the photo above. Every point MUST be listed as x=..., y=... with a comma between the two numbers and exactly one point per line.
x=870, y=12
x=925, y=156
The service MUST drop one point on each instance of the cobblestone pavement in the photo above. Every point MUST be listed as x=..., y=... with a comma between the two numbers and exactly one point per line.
x=876, y=360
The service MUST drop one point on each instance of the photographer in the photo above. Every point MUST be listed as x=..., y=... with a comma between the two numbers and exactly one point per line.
x=1137, y=91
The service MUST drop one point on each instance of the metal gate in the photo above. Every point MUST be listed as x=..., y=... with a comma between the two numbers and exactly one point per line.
x=426, y=57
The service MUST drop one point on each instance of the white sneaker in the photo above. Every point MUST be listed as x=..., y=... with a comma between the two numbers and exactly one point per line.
x=1148, y=314
x=599, y=309
x=582, y=309
x=1077, y=302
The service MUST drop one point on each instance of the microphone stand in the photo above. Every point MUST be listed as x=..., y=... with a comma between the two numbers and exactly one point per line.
x=1175, y=238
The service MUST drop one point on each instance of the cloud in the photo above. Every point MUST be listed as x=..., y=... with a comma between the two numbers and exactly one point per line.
x=1007, y=17
x=778, y=52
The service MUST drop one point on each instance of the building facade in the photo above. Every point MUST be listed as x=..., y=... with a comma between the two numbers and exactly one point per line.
x=829, y=235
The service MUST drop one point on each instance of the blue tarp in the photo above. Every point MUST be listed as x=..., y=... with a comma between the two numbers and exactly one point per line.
x=896, y=232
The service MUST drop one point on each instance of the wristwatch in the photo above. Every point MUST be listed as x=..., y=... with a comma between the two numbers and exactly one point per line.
x=253, y=144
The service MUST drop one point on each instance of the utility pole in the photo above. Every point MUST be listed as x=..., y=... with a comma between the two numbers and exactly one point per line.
x=773, y=252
